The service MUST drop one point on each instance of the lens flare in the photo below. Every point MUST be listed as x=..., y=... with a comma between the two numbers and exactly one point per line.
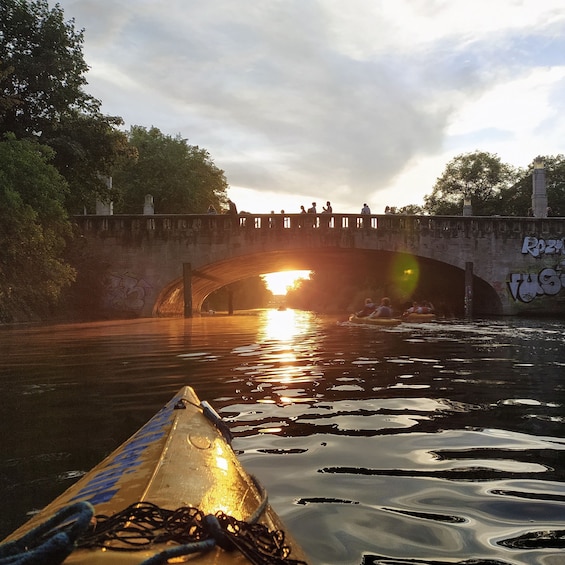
x=405, y=274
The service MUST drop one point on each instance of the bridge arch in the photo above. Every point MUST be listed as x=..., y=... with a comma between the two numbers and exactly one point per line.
x=212, y=277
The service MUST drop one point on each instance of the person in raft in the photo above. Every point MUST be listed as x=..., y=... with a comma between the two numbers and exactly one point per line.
x=384, y=310
x=424, y=307
x=367, y=309
x=412, y=310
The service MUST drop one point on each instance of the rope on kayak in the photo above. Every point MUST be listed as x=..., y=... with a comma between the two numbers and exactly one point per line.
x=51, y=542
x=143, y=525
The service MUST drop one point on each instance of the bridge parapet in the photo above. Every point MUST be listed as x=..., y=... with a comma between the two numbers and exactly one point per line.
x=437, y=226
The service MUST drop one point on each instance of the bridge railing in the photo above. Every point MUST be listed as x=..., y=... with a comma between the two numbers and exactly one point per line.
x=446, y=226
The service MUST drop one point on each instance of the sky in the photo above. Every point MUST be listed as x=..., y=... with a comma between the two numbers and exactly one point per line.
x=348, y=101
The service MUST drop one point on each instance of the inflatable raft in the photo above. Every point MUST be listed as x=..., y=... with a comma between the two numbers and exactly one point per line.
x=413, y=317
x=374, y=321
x=175, y=488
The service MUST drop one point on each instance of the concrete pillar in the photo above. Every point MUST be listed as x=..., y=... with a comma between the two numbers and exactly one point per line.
x=187, y=281
x=467, y=207
x=539, y=191
x=148, y=206
x=105, y=208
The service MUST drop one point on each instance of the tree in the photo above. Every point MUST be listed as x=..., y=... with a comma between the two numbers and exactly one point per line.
x=478, y=176
x=44, y=55
x=516, y=200
x=555, y=171
x=42, y=97
x=182, y=178
x=87, y=148
x=33, y=228
x=411, y=209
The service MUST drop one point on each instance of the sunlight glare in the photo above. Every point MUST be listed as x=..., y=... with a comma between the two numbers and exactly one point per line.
x=281, y=326
x=278, y=283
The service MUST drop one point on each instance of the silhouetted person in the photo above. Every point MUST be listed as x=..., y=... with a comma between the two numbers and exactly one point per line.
x=312, y=210
x=366, y=211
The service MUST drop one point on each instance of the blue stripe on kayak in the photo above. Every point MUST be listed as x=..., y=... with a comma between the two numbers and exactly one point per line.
x=101, y=487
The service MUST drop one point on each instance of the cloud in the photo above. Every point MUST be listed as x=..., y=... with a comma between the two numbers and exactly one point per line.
x=318, y=99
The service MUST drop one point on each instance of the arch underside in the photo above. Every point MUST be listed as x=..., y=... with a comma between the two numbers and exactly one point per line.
x=208, y=278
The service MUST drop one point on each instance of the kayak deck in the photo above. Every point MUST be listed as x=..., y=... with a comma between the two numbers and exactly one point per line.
x=180, y=458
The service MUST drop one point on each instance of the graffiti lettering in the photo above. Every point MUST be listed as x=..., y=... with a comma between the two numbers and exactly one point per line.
x=126, y=292
x=527, y=286
x=536, y=247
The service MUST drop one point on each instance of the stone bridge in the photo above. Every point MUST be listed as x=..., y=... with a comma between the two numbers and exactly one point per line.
x=168, y=264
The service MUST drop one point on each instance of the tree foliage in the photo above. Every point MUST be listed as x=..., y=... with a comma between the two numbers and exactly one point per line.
x=479, y=177
x=87, y=148
x=246, y=294
x=411, y=209
x=33, y=227
x=516, y=200
x=182, y=178
x=42, y=97
x=43, y=55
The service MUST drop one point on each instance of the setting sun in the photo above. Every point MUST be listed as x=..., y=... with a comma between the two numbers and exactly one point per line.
x=278, y=283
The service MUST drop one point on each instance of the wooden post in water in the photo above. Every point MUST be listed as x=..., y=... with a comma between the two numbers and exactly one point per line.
x=468, y=289
x=187, y=282
x=230, y=302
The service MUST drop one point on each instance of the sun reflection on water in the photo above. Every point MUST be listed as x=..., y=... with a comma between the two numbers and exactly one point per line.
x=280, y=347
x=283, y=325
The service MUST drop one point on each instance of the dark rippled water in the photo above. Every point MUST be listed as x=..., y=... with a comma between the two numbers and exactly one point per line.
x=424, y=443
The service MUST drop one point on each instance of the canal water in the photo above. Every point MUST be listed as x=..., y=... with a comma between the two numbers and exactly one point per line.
x=423, y=443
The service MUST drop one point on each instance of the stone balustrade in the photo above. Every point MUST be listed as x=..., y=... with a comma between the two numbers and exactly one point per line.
x=440, y=226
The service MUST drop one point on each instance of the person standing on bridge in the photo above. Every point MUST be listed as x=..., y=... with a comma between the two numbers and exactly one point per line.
x=366, y=211
x=232, y=211
x=327, y=210
x=301, y=219
x=312, y=210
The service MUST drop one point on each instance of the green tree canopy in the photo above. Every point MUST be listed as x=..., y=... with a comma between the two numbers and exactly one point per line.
x=516, y=200
x=478, y=176
x=182, y=178
x=33, y=227
x=43, y=55
x=412, y=209
x=87, y=148
x=42, y=97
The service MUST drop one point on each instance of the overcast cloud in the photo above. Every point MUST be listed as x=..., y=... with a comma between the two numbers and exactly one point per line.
x=353, y=102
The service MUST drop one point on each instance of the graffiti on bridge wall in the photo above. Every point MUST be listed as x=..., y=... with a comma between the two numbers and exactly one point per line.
x=549, y=281
x=126, y=292
x=527, y=286
x=538, y=247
